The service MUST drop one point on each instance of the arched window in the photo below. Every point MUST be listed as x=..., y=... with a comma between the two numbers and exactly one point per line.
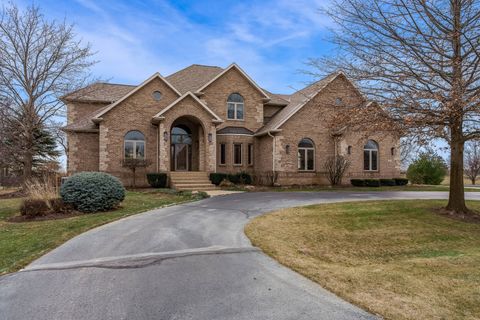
x=306, y=155
x=134, y=145
x=370, y=156
x=235, y=107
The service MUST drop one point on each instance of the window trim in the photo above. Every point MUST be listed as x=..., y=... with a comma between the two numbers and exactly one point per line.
x=220, y=163
x=134, y=142
x=250, y=154
x=235, y=106
x=241, y=155
x=305, y=149
x=370, y=157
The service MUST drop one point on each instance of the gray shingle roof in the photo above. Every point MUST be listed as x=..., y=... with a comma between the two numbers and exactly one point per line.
x=297, y=100
x=193, y=77
x=235, y=130
x=100, y=92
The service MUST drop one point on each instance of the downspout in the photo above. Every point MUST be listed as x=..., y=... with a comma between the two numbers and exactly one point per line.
x=273, y=154
x=158, y=148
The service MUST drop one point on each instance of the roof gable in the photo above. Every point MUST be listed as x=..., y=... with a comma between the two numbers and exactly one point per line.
x=216, y=118
x=140, y=86
x=234, y=66
x=193, y=77
x=299, y=99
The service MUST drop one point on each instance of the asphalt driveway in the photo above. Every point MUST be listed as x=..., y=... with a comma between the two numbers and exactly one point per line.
x=190, y=261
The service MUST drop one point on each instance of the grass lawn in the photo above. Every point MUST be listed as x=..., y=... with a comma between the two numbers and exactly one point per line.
x=362, y=189
x=394, y=258
x=23, y=242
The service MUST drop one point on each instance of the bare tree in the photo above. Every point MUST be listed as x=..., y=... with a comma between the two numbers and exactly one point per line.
x=472, y=160
x=40, y=61
x=336, y=167
x=420, y=60
x=133, y=165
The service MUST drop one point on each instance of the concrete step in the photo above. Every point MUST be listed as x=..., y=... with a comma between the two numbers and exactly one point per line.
x=196, y=189
x=192, y=185
x=197, y=179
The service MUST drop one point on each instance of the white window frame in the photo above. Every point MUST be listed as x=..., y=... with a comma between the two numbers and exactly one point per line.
x=235, y=107
x=250, y=154
x=305, y=150
x=241, y=154
x=135, y=142
x=220, y=154
x=370, y=157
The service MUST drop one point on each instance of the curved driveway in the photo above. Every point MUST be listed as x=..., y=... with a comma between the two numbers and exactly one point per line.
x=189, y=261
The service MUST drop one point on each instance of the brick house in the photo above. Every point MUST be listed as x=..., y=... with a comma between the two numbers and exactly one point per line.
x=205, y=119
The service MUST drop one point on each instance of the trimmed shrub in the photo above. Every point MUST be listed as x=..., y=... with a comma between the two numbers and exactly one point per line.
x=236, y=178
x=427, y=169
x=357, y=182
x=34, y=208
x=157, y=180
x=92, y=191
x=372, y=182
x=37, y=207
x=217, y=178
x=244, y=178
x=387, y=182
x=401, y=181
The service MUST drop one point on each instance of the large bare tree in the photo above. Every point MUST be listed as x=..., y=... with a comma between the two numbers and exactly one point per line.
x=40, y=61
x=420, y=59
x=472, y=160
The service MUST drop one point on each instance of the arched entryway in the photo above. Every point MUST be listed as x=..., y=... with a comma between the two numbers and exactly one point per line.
x=186, y=144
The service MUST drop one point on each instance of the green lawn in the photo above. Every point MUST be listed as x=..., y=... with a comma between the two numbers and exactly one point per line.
x=398, y=259
x=362, y=189
x=23, y=242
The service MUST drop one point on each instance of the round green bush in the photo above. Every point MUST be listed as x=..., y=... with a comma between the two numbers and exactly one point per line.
x=92, y=191
x=427, y=169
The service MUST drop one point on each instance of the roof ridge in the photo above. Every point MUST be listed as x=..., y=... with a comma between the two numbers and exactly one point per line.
x=333, y=74
x=194, y=64
x=116, y=84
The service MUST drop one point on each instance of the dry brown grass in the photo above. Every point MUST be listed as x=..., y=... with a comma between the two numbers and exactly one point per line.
x=41, y=189
x=397, y=258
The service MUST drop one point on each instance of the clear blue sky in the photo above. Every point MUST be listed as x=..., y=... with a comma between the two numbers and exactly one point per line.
x=270, y=40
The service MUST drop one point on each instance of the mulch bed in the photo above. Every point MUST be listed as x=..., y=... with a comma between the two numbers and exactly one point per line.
x=52, y=216
x=473, y=217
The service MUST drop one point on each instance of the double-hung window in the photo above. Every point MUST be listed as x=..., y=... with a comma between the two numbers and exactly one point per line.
x=235, y=107
x=370, y=156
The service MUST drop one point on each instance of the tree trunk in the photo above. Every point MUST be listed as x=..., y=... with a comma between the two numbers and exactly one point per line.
x=456, y=199
x=27, y=166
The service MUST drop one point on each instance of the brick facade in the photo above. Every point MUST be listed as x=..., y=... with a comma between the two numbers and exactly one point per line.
x=275, y=152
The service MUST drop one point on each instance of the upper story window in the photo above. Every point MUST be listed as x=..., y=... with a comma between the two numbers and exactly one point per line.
x=235, y=107
x=370, y=156
x=134, y=145
x=306, y=155
x=157, y=95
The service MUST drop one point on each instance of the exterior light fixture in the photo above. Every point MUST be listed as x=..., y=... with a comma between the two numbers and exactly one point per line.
x=165, y=136
x=210, y=138
x=287, y=149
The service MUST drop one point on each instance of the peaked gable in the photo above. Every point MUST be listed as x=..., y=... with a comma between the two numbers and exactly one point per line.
x=300, y=98
x=243, y=73
x=132, y=92
x=159, y=115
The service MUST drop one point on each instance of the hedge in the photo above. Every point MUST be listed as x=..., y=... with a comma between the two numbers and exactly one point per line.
x=387, y=182
x=372, y=182
x=357, y=182
x=401, y=181
x=236, y=178
x=157, y=180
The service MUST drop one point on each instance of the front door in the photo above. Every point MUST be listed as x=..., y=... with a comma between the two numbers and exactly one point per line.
x=181, y=157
